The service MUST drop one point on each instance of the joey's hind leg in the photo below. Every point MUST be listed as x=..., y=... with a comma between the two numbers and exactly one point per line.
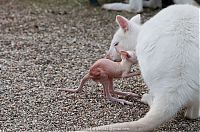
x=104, y=92
x=147, y=99
x=108, y=94
x=111, y=88
x=115, y=92
x=193, y=109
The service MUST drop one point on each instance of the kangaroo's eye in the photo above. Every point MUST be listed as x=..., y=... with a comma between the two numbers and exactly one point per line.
x=115, y=44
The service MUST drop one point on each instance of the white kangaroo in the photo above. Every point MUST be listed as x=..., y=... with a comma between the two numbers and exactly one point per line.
x=137, y=5
x=167, y=48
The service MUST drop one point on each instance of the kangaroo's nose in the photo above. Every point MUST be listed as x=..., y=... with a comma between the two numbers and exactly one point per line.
x=117, y=60
x=107, y=56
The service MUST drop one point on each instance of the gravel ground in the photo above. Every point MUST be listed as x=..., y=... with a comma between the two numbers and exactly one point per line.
x=45, y=46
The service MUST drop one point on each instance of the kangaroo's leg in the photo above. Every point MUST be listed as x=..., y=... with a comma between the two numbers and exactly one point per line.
x=193, y=109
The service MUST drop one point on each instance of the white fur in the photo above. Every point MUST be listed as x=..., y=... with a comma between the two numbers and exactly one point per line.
x=133, y=5
x=168, y=56
x=131, y=37
x=137, y=5
x=167, y=48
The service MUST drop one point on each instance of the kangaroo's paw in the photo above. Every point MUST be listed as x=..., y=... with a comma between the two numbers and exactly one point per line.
x=147, y=99
x=193, y=110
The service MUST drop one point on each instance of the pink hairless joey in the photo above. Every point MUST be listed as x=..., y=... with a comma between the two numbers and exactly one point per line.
x=105, y=70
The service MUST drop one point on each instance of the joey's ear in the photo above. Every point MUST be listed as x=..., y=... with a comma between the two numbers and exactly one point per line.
x=136, y=19
x=122, y=22
x=125, y=54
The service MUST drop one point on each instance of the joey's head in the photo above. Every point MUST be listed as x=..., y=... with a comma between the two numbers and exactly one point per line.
x=128, y=57
x=125, y=37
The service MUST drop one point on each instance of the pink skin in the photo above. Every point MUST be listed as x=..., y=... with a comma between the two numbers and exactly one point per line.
x=105, y=70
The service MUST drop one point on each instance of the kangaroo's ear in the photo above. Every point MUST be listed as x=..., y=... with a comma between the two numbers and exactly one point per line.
x=136, y=19
x=125, y=54
x=122, y=22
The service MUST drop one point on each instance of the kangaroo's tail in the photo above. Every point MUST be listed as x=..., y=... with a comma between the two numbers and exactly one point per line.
x=161, y=110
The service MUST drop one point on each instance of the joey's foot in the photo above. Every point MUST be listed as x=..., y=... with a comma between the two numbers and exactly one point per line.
x=126, y=93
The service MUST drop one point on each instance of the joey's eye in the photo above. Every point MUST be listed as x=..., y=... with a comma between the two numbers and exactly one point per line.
x=115, y=44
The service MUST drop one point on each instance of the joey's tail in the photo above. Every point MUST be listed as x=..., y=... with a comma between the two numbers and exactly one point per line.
x=159, y=112
x=83, y=80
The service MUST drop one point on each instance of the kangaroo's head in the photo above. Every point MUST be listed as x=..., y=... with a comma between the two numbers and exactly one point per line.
x=125, y=37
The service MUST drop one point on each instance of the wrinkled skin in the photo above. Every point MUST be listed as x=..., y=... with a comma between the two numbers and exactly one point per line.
x=104, y=70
